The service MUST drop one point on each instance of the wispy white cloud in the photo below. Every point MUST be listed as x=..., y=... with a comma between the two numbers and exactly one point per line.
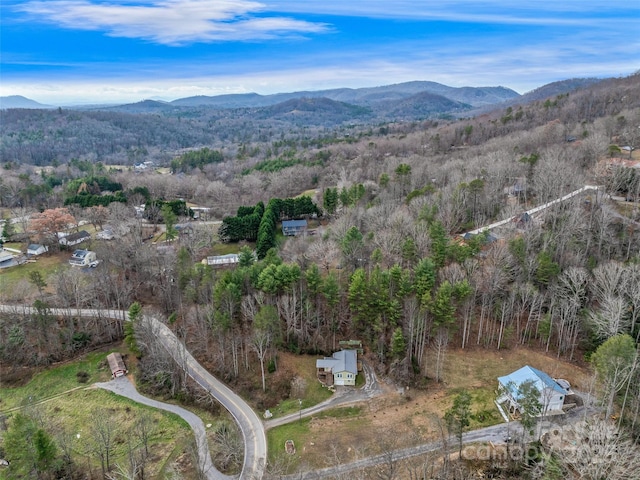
x=488, y=69
x=172, y=22
x=511, y=12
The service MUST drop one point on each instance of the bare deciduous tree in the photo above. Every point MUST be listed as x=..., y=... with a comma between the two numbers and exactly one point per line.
x=596, y=449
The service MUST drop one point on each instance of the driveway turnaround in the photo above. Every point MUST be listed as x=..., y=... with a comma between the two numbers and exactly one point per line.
x=123, y=387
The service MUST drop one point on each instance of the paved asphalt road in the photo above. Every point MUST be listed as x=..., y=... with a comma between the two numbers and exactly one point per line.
x=253, y=432
x=253, y=429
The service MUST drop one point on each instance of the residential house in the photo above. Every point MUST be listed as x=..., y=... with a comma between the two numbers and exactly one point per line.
x=36, y=249
x=116, y=364
x=201, y=213
x=292, y=228
x=339, y=369
x=184, y=228
x=106, y=234
x=228, y=260
x=75, y=238
x=5, y=256
x=82, y=258
x=552, y=393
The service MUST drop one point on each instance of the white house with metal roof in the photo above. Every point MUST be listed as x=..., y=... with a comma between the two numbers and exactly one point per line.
x=552, y=394
x=339, y=369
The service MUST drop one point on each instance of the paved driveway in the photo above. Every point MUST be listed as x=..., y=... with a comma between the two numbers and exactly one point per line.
x=122, y=386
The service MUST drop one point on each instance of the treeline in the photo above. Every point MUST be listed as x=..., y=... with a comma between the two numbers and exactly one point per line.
x=244, y=226
x=86, y=200
x=44, y=337
x=195, y=159
x=258, y=224
x=153, y=209
x=276, y=164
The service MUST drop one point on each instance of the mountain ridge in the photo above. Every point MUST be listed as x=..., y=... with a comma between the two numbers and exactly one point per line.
x=365, y=96
x=18, y=101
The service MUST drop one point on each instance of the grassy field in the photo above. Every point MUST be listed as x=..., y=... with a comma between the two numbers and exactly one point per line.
x=77, y=412
x=14, y=281
x=57, y=396
x=54, y=381
x=227, y=248
x=302, y=433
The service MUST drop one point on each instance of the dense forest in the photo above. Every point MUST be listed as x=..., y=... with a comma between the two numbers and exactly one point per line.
x=386, y=263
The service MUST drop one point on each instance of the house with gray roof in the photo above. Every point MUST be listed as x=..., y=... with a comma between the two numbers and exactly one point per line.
x=339, y=369
x=291, y=228
x=552, y=393
x=75, y=238
x=35, y=249
x=5, y=256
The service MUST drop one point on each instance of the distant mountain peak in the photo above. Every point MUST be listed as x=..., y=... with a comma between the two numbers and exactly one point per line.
x=18, y=101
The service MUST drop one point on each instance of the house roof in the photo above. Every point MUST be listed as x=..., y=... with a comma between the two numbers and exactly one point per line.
x=294, y=223
x=227, y=259
x=105, y=234
x=77, y=236
x=79, y=254
x=4, y=256
x=115, y=362
x=342, y=361
x=540, y=380
x=34, y=246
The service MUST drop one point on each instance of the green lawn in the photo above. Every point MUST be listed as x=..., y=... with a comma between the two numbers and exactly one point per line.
x=14, y=277
x=227, y=248
x=56, y=395
x=276, y=437
x=300, y=432
x=314, y=394
x=56, y=380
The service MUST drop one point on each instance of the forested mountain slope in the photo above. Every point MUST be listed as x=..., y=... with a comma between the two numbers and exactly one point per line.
x=157, y=131
x=383, y=261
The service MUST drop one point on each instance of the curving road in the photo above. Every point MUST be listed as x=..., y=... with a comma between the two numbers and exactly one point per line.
x=253, y=431
x=123, y=387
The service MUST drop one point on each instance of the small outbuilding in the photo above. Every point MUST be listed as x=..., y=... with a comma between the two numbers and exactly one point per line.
x=36, y=249
x=229, y=260
x=116, y=364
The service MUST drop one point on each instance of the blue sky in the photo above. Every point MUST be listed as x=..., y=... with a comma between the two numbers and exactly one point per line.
x=65, y=52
